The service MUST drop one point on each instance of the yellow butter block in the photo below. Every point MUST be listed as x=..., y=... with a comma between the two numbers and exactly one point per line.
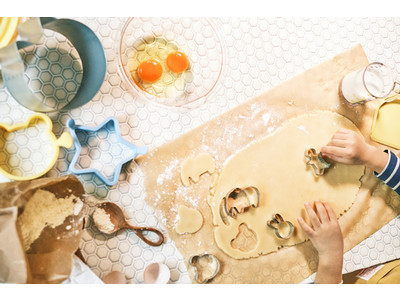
x=386, y=125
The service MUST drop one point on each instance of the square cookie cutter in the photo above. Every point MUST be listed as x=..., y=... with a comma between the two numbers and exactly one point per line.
x=106, y=124
x=20, y=152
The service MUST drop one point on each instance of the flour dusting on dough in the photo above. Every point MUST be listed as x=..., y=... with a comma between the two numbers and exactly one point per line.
x=275, y=165
x=168, y=173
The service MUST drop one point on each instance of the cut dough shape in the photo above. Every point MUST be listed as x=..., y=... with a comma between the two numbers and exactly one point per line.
x=245, y=240
x=194, y=167
x=190, y=220
x=275, y=165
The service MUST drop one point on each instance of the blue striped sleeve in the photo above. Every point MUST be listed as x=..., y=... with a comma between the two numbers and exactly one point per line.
x=391, y=173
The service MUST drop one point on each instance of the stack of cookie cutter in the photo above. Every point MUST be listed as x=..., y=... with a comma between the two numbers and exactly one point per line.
x=65, y=140
x=316, y=161
x=84, y=40
x=274, y=223
x=214, y=265
x=117, y=171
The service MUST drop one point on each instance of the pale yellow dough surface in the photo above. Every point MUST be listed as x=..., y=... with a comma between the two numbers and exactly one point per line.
x=276, y=166
x=190, y=220
x=193, y=167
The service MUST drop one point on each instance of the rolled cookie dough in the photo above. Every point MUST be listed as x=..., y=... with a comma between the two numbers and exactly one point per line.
x=190, y=220
x=275, y=165
x=194, y=167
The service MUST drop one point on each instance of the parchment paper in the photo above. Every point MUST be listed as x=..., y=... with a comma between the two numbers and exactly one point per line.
x=317, y=88
x=50, y=256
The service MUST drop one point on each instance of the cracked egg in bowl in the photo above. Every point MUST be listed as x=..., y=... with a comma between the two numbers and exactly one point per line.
x=173, y=62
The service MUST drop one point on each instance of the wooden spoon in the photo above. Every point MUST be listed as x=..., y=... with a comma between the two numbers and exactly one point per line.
x=118, y=219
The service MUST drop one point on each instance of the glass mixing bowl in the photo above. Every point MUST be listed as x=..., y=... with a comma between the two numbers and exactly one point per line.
x=196, y=37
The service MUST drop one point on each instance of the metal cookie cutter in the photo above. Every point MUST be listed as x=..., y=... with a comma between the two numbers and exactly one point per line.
x=210, y=264
x=238, y=200
x=84, y=40
x=117, y=150
x=30, y=154
x=316, y=161
x=274, y=224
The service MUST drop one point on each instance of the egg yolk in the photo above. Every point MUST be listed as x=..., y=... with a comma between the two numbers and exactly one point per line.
x=177, y=62
x=150, y=70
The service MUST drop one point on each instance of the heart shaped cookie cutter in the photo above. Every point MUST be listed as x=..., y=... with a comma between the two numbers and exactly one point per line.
x=274, y=224
x=21, y=151
x=316, y=161
x=213, y=266
x=238, y=200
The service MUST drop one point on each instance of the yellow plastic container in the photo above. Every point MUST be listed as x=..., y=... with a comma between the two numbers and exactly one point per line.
x=8, y=30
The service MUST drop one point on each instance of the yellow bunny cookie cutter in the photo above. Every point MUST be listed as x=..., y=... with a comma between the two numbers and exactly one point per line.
x=65, y=141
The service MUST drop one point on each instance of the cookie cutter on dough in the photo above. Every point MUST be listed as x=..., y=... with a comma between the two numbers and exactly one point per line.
x=214, y=266
x=84, y=40
x=65, y=141
x=274, y=223
x=240, y=199
x=135, y=151
x=316, y=161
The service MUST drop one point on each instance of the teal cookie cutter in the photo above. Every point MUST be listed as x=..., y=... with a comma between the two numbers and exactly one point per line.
x=84, y=40
x=106, y=125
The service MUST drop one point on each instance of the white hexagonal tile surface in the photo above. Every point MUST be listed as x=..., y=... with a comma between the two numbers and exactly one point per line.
x=259, y=53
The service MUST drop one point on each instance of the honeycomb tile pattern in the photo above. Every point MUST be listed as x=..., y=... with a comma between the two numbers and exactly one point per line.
x=102, y=150
x=382, y=246
x=26, y=152
x=259, y=54
x=53, y=69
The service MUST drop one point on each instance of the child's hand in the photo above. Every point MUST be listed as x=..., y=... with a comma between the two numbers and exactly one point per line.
x=325, y=235
x=327, y=239
x=348, y=147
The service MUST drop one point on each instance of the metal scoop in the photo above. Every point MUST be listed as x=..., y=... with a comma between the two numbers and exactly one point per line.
x=117, y=218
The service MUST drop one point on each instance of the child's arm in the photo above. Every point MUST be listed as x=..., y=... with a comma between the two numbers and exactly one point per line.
x=327, y=239
x=349, y=147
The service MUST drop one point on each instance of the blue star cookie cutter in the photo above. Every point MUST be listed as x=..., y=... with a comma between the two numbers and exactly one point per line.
x=108, y=128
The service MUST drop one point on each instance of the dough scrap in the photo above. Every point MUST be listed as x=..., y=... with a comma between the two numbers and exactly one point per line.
x=190, y=220
x=275, y=165
x=194, y=167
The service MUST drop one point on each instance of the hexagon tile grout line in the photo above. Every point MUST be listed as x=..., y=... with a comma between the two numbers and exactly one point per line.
x=354, y=258
x=136, y=150
x=260, y=53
